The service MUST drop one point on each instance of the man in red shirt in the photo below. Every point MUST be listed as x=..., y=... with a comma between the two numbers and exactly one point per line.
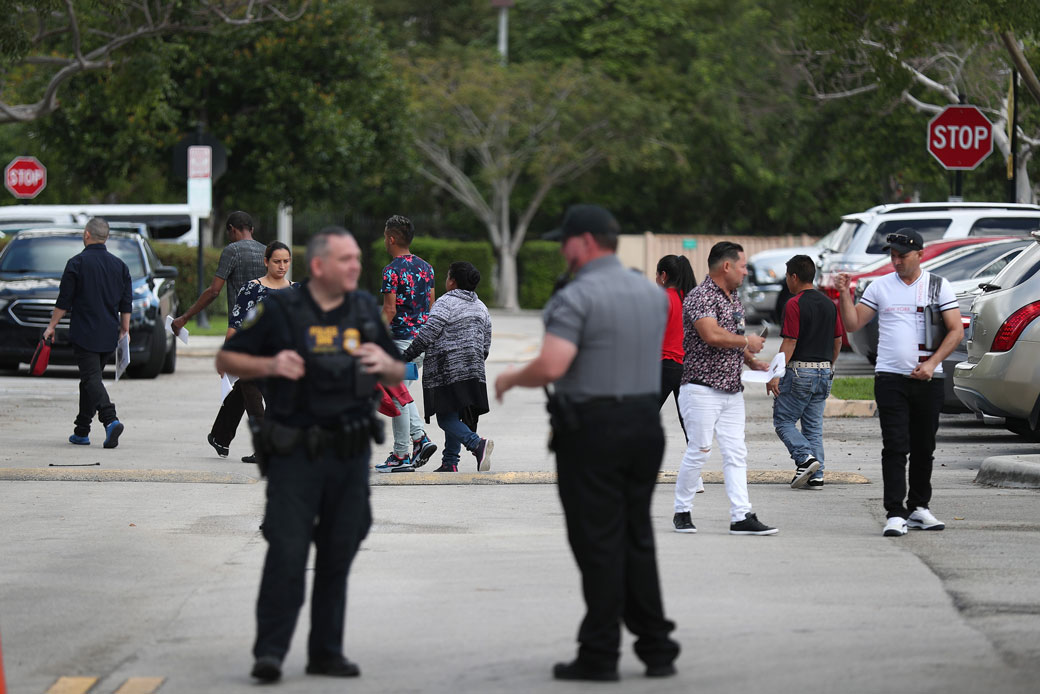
x=812, y=340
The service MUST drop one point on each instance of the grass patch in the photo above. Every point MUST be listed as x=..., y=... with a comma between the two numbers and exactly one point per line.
x=853, y=388
x=217, y=326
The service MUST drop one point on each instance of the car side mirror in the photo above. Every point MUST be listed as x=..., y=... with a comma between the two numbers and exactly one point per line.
x=165, y=272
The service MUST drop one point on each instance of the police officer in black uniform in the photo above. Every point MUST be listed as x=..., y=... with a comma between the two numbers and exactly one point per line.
x=321, y=349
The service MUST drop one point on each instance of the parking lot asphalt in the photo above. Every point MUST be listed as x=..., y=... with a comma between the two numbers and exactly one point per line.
x=471, y=588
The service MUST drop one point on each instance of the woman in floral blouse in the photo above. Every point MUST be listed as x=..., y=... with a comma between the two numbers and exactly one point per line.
x=246, y=394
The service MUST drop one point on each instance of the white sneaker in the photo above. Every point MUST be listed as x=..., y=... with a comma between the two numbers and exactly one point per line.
x=895, y=527
x=922, y=519
x=700, y=486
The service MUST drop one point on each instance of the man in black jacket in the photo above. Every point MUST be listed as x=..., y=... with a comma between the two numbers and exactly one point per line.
x=96, y=288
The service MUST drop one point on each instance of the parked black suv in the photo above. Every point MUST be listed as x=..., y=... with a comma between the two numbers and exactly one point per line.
x=30, y=272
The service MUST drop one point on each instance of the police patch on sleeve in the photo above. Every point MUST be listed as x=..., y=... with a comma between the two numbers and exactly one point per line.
x=252, y=317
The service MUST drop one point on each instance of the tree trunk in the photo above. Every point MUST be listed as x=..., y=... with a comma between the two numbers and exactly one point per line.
x=1023, y=188
x=508, y=290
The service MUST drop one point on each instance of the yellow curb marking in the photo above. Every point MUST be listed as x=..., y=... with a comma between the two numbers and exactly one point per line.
x=140, y=685
x=72, y=685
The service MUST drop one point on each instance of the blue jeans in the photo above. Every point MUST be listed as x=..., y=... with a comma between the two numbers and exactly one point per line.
x=803, y=393
x=456, y=435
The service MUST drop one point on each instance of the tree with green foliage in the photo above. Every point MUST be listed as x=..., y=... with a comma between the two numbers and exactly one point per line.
x=490, y=133
x=45, y=43
x=893, y=51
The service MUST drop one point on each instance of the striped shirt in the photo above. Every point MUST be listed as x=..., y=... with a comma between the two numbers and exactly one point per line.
x=240, y=262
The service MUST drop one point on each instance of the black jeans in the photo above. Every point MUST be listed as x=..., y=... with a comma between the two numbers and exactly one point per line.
x=909, y=413
x=245, y=396
x=671, y=379
x=324, y=500
x=607, y=471
x=93, y=398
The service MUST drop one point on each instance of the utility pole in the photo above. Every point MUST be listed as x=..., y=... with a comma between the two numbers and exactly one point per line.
x=503, y=27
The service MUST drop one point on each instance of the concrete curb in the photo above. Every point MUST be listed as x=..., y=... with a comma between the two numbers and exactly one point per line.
x=49, y=474
x=54, y=474
x=1016, y=471
x=836, y=407
x=478, y=478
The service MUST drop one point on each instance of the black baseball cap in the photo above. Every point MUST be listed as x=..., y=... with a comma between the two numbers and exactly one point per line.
x=904, y=241
x=581, y=218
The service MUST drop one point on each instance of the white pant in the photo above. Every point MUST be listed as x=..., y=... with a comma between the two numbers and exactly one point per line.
x=707, y=412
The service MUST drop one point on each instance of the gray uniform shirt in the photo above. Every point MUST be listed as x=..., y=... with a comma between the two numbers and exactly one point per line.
x=240, y=262
x=616, y=318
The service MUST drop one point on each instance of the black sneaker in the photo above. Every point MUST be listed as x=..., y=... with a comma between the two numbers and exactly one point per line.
x=483, y=454
x=220, y=448
x=666, y=670
x=249, y=459
x=447, y=468
x=751, y=526
x=267, y=668
x=576, y=670
x=682, y=523
x=815, y=483
x=338, y=667
x=422, y=450
x=804, y=472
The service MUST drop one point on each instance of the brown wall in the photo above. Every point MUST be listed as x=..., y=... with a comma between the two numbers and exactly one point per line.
x=642, y=251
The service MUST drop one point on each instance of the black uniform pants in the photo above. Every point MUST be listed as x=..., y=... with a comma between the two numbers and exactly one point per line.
x=324, y=501
x=93, y=398
x=245, y=396
x=909, y=412
x=607, y=472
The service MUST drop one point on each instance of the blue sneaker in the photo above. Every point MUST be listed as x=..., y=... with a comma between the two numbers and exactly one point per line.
x=112, y=431
x=422, y=450
x=395, y=464
x=79, y=440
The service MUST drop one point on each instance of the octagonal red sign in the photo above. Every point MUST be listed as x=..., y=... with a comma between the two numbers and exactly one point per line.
x=960, y=137
x=25, y=177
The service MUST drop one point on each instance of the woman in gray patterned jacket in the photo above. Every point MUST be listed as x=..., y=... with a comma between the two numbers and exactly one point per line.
x=456, y=339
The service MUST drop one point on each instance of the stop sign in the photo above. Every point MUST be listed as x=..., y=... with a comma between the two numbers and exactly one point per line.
x=960, y=137
x=25, y=177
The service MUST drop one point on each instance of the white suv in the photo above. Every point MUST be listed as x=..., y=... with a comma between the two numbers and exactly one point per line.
x=862, y=235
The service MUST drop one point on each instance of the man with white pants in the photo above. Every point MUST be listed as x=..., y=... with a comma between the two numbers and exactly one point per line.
x=710, y=397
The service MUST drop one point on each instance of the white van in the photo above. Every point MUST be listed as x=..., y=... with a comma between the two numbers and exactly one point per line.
x=861, y=236
x=176, y=223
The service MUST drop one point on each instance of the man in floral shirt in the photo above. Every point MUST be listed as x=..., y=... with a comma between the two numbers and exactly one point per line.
x=710, y=396
x=407, y=296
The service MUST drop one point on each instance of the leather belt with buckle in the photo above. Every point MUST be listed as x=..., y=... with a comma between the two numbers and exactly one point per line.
x=810, y=365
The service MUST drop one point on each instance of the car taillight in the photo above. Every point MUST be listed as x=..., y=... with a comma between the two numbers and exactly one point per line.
x=1011, y=329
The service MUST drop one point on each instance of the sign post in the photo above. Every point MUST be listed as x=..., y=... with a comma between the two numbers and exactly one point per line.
x=25, y=177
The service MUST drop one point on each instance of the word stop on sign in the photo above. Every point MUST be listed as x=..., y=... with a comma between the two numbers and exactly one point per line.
x=959, y=136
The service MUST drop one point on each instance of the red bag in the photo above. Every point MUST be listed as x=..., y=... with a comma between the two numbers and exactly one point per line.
x=41, y=357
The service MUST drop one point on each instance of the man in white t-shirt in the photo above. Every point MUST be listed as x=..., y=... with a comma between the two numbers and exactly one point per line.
x=907, y=388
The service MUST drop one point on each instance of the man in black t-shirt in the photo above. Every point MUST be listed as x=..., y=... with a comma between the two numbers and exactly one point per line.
x=812, y=339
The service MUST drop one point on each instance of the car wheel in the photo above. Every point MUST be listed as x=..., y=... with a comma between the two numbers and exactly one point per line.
x=1022, y=428
x=169, y=364
x=151, y=367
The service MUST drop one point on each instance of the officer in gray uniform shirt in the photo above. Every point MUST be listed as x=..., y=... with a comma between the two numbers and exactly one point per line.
x=602, y=350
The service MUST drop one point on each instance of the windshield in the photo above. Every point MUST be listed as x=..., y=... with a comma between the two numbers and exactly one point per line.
x=929, y=229
x=965, y=266
x=843, y=235
x=47, y=255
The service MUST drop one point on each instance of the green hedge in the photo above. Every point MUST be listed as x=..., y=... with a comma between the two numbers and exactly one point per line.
x=539, y=263
x=185, y=259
